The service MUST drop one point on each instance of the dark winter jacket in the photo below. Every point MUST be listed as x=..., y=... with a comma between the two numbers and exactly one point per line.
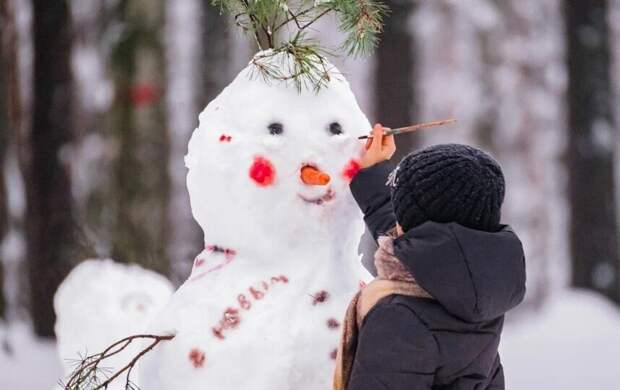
x=451, y=342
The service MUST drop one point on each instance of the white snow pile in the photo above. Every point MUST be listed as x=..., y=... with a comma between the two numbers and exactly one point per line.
x=572, y=344
x=263, y=304
x=101, y=302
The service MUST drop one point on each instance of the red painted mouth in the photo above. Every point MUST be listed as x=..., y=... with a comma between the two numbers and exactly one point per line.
x=320, y=200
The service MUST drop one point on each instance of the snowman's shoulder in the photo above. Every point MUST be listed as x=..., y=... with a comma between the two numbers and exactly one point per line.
x=211, y=260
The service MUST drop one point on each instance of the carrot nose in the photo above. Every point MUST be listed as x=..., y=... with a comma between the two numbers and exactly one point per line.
x=314, y=177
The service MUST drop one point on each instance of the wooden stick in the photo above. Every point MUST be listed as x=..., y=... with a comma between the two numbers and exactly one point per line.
x=411, y=128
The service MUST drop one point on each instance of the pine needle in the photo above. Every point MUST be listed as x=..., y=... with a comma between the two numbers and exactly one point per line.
x=306, y=65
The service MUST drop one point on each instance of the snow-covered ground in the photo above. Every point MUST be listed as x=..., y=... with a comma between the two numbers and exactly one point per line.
x=572, y=344
x=27, y=363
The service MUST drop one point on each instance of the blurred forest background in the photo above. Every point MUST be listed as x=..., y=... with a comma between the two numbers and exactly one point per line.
x=99, y=97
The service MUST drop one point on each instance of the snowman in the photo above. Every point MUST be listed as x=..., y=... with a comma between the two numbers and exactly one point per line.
x=268, y=174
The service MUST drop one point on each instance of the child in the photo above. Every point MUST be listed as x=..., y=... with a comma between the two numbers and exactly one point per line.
x=433, y=317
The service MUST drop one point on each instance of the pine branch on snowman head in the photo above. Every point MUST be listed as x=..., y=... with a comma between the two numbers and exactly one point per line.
x=279, y=28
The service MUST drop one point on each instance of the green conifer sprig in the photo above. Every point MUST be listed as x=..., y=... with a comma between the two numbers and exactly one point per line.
x=363, y=20
x=281, y=26
x=304, y=63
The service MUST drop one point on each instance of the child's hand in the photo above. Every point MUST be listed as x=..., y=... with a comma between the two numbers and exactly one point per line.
x=379, y=148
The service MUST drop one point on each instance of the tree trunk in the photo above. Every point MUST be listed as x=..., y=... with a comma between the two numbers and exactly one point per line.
x=4, y=129
x=591, y=150
x=91, y=150
x=11, y=133
x=394, y=82
x=50, y=229
x=194, y=39
x=6, y=19
x=215, y=53
x=137, y=122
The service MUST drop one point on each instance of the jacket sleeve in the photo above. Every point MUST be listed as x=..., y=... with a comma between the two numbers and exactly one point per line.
x=395, y=352
x=373, y=197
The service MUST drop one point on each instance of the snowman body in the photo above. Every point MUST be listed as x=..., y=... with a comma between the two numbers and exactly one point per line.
x=263, y=306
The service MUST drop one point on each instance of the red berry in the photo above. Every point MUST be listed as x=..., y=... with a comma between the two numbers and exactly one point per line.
x=332, y=323
x=197, y=357
x=334, y=354
x=320, y=297
x=262, y=172
x=232, y=317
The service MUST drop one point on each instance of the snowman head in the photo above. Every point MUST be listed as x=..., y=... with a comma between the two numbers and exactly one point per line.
x=269, y=164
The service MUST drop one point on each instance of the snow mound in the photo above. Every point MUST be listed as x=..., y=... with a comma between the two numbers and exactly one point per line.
x=101, y=302
x=572, y=344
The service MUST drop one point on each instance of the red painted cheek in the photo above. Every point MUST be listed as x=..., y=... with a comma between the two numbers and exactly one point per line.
x=262, y=172
x=351, y=169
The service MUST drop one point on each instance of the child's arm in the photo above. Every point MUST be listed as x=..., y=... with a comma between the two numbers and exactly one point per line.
x=395, y=351
x=368, y=186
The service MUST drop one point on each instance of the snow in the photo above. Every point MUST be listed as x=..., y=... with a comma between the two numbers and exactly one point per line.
x=572, y=344
x=250, y=296
x=27, y=363
x=101, y=302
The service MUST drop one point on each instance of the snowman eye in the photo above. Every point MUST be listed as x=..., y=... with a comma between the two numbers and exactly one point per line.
x=335, y=128
x=276, y=128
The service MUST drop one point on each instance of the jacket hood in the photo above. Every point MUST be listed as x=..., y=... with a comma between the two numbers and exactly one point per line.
x=475, y=275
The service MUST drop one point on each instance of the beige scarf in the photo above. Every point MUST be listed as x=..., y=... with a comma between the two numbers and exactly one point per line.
x=393, y=278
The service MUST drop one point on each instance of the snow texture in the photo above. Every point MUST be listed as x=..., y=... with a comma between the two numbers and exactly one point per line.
x=572, y=344
x=280, y=262
x=27, y=363
x=101, y=302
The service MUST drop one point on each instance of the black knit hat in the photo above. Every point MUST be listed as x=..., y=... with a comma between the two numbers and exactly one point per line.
x=448, y=183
